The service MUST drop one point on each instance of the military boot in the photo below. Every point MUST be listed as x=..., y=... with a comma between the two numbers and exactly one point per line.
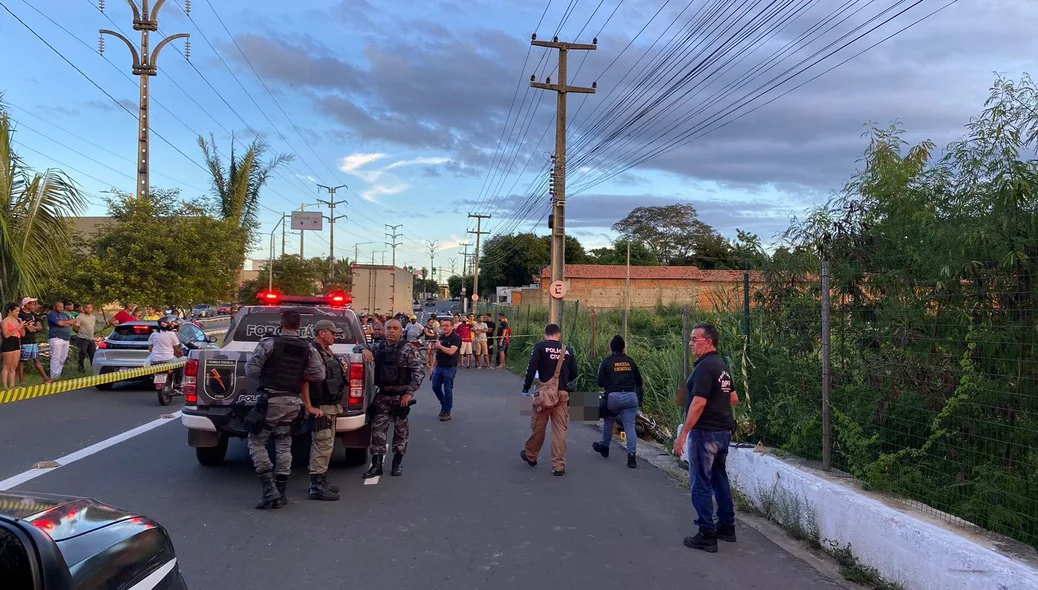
x=327, y=484
x=281, y=481
x=397, y=458
x=376, y=467
x=319, y=489
x=270, y=493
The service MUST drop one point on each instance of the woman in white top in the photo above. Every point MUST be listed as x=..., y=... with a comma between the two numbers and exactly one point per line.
x=164, y=344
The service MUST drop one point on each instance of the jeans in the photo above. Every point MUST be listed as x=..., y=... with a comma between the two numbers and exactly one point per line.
x=624, y=403
x=443, y=387
x=708, y=451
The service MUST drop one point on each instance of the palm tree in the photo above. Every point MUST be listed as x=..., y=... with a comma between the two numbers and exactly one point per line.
x=238, y=188
x=34, y=220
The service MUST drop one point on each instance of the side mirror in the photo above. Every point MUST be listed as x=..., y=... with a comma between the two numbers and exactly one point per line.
x=211, y=339
x=31, y=558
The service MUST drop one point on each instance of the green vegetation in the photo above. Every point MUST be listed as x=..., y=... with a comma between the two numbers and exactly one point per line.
x=934, y=352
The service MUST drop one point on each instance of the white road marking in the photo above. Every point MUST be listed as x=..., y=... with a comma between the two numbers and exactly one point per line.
x=372, y=481
x=156, y=576
x=31, y=474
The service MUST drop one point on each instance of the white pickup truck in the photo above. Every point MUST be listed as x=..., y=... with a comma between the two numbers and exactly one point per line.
x=218, y=395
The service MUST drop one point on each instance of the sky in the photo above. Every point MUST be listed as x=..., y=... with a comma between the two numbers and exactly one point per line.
x=753, y=111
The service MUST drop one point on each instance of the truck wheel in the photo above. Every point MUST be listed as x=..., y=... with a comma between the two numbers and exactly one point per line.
x=212, y=456
x=356, y=457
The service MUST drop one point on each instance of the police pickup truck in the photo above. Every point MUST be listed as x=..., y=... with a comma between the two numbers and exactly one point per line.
x=218, y=395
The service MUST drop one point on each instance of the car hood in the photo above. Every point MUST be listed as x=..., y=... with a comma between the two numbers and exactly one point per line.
x=61, y=517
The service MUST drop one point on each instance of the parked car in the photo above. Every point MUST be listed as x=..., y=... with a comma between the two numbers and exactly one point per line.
x=223, y=309
x=127, y=347
x=50, y=542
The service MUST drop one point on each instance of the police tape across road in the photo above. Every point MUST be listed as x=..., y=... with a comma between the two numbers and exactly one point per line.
x=34, y=391
x=44, y=389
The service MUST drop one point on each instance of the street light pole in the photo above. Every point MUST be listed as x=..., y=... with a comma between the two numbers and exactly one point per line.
x=145, y=65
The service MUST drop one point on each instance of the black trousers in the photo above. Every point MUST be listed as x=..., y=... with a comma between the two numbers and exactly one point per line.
x=87, y=347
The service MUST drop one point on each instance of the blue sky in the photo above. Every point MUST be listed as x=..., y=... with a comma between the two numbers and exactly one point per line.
x=420, y=108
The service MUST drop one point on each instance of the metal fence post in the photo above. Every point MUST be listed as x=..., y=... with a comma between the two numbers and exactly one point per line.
x=686, y=334
x=594, y=348
x=746, y=304
x=827, y=440
x=576, y=317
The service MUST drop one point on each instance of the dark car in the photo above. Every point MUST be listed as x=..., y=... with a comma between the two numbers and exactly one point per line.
x=50, y=542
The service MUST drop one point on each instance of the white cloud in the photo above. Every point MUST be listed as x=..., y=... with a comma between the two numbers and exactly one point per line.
x=382, y=182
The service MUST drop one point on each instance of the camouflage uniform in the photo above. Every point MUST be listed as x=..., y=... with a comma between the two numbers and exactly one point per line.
x=386, y=405
x=282, y=412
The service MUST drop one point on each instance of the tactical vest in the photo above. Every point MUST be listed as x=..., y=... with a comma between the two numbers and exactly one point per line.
x=282, y=373
x=388, y=370
x=330, y=391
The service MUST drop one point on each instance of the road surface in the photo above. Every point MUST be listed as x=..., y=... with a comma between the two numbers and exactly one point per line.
x=467, y=512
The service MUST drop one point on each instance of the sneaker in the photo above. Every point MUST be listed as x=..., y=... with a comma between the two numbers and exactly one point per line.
x=601, y=449
x=445, y=417
x=704, y=540
x=726, y=533
x=525, y=458
x=631, y=461
x=558, y=473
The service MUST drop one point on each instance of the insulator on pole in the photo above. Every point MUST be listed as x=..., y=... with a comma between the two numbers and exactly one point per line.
x=101, y=5
x=187, y=50
x=187, y=7
x=101, y=44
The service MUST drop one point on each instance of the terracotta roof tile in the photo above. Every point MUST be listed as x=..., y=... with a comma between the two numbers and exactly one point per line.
x=674, y=273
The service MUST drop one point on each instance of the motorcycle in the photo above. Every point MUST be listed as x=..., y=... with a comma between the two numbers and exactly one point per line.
x=167, y=386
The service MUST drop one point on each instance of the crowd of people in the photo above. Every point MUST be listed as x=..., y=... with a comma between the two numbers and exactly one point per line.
x=66, y=327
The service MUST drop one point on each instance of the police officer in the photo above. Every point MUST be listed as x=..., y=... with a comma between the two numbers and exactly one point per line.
x=323, y=400
x=279, y=364
x=622, y=381
x=398, y=374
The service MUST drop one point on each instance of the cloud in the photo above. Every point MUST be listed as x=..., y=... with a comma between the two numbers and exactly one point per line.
x=382, y=182
x=450, y=89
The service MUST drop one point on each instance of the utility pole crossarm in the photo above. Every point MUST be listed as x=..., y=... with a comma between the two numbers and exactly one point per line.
x=565, y=45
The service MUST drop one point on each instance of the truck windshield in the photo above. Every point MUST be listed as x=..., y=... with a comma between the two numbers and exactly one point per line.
x=256, y=326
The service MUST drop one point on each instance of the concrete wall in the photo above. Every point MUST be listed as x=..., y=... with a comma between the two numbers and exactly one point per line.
x=373, y=289
x=903, y=545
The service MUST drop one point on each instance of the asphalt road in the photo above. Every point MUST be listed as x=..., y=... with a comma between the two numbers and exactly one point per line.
x=467, y=513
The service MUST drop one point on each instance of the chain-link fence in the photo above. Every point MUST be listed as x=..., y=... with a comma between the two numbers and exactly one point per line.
x=931, y=387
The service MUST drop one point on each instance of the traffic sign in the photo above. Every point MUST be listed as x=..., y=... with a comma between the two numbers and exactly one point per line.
x=558, y=289
x=475, y=297
x=307, y=220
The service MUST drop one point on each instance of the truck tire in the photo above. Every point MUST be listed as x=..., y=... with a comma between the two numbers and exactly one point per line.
x=356, y=457
x=212, y=456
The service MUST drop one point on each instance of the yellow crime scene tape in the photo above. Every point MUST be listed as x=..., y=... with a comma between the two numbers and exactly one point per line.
x=34, y=391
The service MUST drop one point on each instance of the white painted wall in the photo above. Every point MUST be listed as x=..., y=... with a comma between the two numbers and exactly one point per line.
x=904, y=547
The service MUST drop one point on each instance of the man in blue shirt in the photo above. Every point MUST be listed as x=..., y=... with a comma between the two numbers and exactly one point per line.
x=59, y=336
x=709, y=422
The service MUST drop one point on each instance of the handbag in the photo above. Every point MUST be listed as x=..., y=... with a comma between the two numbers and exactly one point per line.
x=548, y=394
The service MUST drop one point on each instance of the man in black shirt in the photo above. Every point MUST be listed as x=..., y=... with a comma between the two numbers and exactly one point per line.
x=710, y=421
x=30, y=340
x=544, y=359
x=448, y=351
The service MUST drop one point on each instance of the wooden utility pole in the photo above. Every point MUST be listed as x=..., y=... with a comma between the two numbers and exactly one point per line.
x=558, y=225
x=332, y=203
x=145, y=65
x=475, y=263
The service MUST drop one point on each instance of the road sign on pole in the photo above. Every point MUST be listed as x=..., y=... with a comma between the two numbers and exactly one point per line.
x=475, y=297
x=558, y=289
x=307, y=220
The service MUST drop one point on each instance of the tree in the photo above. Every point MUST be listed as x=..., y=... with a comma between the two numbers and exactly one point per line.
x=641, y=254
x=455, y=283
x=34, y=230
x=514, y=259
x=238, y=188
x=162, y=251
x=670, y=231
x=292, y=276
